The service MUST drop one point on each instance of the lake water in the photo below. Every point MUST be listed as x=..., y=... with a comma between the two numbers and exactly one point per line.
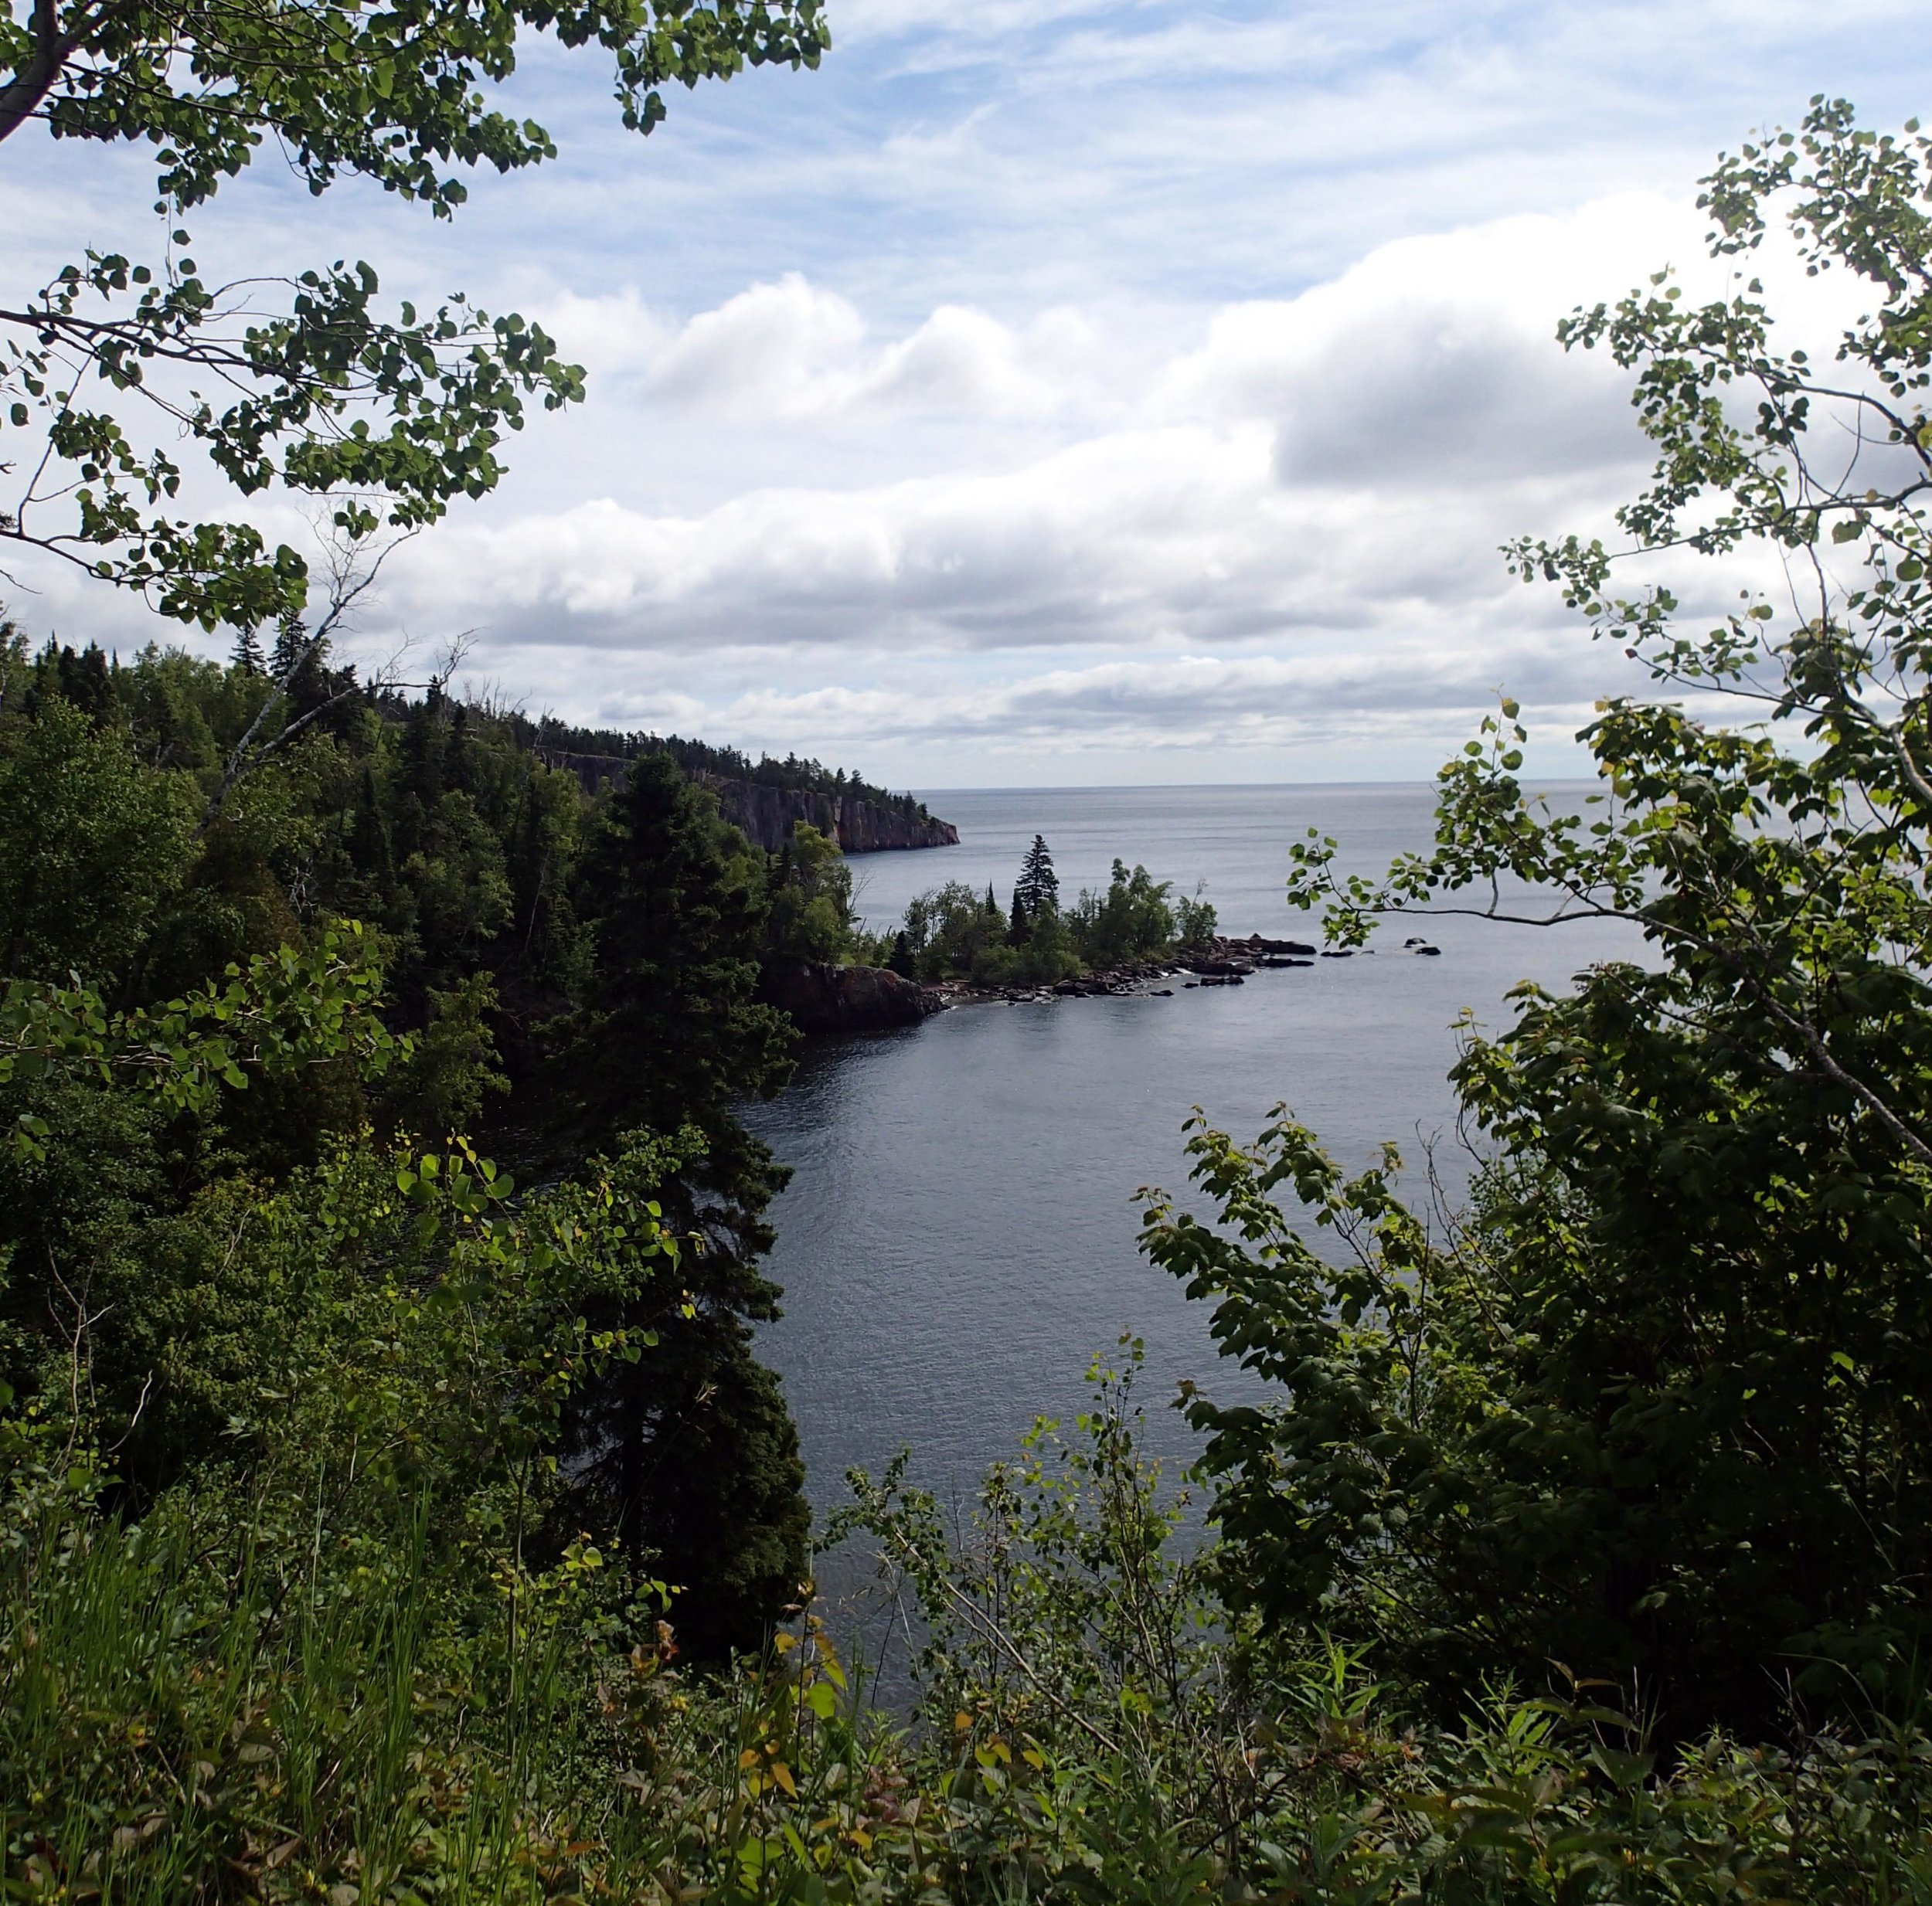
x=958, y=1240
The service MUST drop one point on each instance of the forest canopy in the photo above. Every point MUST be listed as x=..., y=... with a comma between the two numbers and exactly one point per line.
x=505, y=924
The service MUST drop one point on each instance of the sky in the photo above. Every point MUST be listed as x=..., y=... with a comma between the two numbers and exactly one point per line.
x=1050, y=392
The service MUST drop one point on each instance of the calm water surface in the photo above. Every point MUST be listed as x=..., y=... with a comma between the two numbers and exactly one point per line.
x=958, y=1240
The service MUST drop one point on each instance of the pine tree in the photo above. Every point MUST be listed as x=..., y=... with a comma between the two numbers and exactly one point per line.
x=84, y=681
x=248, y=659
x=528, y=860
x=1038, y=883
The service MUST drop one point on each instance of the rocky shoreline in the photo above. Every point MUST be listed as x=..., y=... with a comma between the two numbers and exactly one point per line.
x=1223, y=961
x=820, y=998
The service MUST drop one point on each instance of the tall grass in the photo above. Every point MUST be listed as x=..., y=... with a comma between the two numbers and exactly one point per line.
x=200, y=1708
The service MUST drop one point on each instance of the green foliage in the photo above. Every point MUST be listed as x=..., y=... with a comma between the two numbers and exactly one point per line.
x=949, y=932
x=91, y=846
x=1045, y=954
x=391, y=417
x=1652, y=1406
x=284, y=1691
x=233, y=1027
x=336, y=1475
x=705, y=763
x=450, y=1072
x=1067, y=1616
x=680, y=902
x=952, y=933
x=1131, y=922
x=287, y=1013
x=687, y=1452
x=337, y=403
x=1099, y=1727
x=1196, y=923
x=1037, y=891
x=811, y=900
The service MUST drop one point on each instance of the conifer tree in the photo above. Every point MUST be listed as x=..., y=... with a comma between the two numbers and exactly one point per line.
x=370, y=850
x=688, y=1455
x=248, y=657
x=290, y=639
x=1038, y=886
x=83, y=679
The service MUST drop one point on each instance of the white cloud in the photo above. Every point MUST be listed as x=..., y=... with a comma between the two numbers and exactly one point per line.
x=1232, y=711
x=1433, y=360
x=1346, y=460
x=1118, y=375
x=794, y=351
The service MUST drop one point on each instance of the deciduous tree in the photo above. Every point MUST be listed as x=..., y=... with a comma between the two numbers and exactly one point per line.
x=1655, y=1405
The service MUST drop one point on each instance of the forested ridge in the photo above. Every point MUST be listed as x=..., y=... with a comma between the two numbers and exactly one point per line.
x=564, y=968
x=549, y=737
x=392, y=1507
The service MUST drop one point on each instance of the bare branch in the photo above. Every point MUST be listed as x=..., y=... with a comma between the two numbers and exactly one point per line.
x=347, y=585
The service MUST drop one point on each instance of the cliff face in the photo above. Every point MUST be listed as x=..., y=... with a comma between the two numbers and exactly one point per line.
x=765, y=815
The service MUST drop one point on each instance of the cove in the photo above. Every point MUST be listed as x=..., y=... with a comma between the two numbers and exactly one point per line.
x=957, y=1238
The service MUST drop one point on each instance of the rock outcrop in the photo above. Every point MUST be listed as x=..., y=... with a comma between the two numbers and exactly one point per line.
x=819, y=997
x=1254, y=945
x=765, y=815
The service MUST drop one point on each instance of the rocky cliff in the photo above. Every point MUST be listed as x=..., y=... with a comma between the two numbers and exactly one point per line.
x=766, y=814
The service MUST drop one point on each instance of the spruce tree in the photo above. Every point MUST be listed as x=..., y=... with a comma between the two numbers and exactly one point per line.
x=291, y=639
x=688, y=1455
x=248, y=657
x=84, y=681
x=1021, y=924
x=370, y=851
x=1038, y=883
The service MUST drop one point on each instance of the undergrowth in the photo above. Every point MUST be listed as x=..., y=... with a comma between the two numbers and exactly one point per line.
x=230, y=1700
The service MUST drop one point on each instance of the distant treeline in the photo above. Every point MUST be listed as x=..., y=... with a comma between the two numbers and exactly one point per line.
x=550, y=736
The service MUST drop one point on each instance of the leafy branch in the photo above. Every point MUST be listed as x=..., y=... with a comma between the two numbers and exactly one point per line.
x=285, y=1012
